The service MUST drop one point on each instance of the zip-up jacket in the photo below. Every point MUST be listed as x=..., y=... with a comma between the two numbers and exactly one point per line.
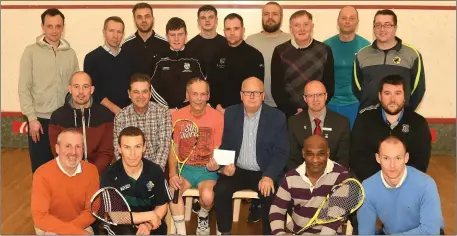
x=172, y=72
x=145, y=54
x=99, y=130
x=44, y=76
x=372, y=64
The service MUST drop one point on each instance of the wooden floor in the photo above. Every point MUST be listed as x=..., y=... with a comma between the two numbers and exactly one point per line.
x=16, y=181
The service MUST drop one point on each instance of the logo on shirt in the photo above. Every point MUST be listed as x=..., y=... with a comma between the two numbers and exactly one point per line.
x=125, y=187
x=150, y=185
x=186, y=67
x=260, y=65
x=396, y=60
x=221, y=64
x=165, y=68
x=405, y=128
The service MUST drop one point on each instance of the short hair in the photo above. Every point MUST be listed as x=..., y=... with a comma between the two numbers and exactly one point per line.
x=300, y=13
x=67, y=130
x=52, y=12
x=139, y=77
x=197, y=80
x=141, y=5
x=232, y=16
x=387, y=12
x=175, y=23
x=131, y=131
x=393, y=80
x=80, y=72
x=206, y=8
x=391, y=139
x=356, y=12
x=115, y=19
x=276, y=4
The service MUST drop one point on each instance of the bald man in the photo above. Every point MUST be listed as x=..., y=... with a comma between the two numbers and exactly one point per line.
x=345, y=46
x=91, y=118
x=258, y=135
x=305, y=186
x=321, y=121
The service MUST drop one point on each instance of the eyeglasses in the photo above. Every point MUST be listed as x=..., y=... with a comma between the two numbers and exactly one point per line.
x=386, y=26
x=249, y=93
x=311, y=96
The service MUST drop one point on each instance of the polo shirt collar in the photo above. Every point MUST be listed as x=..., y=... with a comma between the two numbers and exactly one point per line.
x=78, y=168
x=399, y=183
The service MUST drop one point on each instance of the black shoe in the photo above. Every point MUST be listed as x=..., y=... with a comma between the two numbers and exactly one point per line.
x=196, y=207
x=254, y=213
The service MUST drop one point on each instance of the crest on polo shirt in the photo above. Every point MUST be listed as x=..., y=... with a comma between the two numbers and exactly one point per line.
x=125, y=187
x=186, y=67
x=150, y=185
x=405, y=128
x=396, y=60
x=221, y=63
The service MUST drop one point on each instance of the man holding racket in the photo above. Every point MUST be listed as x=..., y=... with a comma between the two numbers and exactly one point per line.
x=198, y=171
x=306, y=187
x=141, y=182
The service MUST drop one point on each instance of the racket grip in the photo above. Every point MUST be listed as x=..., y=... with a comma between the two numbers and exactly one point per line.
x=176, y=196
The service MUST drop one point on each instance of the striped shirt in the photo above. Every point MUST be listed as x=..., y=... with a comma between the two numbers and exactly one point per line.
x=156, y=126
x=248, y=157
x=298, y=190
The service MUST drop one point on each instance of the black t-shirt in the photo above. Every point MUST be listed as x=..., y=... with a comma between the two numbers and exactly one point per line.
x=205, y=49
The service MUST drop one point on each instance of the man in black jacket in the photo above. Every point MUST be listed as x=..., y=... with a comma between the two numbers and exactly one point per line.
x=375, y=123
x=175, y=68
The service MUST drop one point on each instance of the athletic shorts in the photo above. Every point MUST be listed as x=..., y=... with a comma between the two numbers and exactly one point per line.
x=197, y=174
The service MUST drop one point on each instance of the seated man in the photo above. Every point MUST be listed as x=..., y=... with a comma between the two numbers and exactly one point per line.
x=62, y=189
x=405, y=199
x=98, y=121
x=305, y=187
x=318, y=120
x=141, y=182
x=197, y=171
x=258, y=135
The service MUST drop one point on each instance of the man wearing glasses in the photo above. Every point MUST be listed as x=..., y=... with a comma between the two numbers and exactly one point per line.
x=321, y=121
x=258, y=135
x=387, y=55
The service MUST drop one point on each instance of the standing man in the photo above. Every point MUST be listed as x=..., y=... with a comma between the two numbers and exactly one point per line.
x=236, y=62
x=258, y=135
x=45, y=71
x=197, y=171
x=267, y=40
x=208, y=43
x=298, y=61
x=176, y=67
x=153, y=120
x=98, y=121
x=145, y=46
x=110, y=67
x=345, y=46
x=388, y=55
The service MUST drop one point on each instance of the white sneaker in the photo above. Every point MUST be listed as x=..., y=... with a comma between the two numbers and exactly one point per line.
x=203, y=225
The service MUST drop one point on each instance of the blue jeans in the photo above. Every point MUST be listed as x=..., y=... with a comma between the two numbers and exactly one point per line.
x=350, y=111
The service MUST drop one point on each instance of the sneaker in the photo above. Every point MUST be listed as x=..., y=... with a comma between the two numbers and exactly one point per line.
x=196, y=207
x=203, y=225
x=254, y=213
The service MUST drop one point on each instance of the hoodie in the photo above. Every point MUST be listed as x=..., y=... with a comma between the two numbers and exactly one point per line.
x=98, y=123
x=44, y=76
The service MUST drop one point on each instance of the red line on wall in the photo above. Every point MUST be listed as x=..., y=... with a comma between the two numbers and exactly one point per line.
x=229, y=6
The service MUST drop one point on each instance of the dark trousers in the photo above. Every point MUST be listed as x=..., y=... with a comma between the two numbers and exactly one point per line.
x=223, y=192
x=40, y=152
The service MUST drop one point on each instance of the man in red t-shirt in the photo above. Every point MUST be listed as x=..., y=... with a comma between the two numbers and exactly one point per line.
x=199, y=171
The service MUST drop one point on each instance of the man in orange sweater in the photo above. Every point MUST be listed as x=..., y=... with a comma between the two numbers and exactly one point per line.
x=62, y=189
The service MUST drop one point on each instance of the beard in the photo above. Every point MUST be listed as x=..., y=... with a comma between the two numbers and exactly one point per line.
x=392, y=112
x=144, y=31
x=271, y=28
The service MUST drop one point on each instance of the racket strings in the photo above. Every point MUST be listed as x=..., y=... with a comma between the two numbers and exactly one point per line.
x=109, y=206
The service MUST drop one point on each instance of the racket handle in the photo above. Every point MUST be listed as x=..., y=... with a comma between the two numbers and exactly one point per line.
x=176, y=196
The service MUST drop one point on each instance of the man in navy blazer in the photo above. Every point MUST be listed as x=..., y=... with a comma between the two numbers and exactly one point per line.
x=258, y=135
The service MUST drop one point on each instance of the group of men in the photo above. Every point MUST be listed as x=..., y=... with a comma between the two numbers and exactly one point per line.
x=300, y=114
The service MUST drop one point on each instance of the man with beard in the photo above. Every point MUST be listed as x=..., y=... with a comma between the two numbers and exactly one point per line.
x=267, y=40
x=206, y=44
x=391, y=118
x=345, y=46
x=388, y=55
x=110, y=67
x=234, y=63
x=298, y=61
x=145, y=46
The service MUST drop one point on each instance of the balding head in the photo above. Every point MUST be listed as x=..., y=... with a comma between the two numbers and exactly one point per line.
x=348, y=19
x=81, y=75
x=81, y=89
x=316, y=141
x=252, y=94
x=315, y=96
x=316, y=153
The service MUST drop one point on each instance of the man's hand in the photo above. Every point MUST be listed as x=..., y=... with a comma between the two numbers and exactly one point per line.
x=175, y=181
x=155, y=221
x=299, y=110
x=229, y=170
x=212, y=165
x=266, y=186
x=144, y=229
x=35, y=128
x=220, y=109
x=49, y=233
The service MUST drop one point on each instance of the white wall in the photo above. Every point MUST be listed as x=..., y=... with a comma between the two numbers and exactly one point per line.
x=432, y=32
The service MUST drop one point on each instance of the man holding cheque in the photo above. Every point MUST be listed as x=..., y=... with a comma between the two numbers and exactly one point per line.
x=197, y=131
